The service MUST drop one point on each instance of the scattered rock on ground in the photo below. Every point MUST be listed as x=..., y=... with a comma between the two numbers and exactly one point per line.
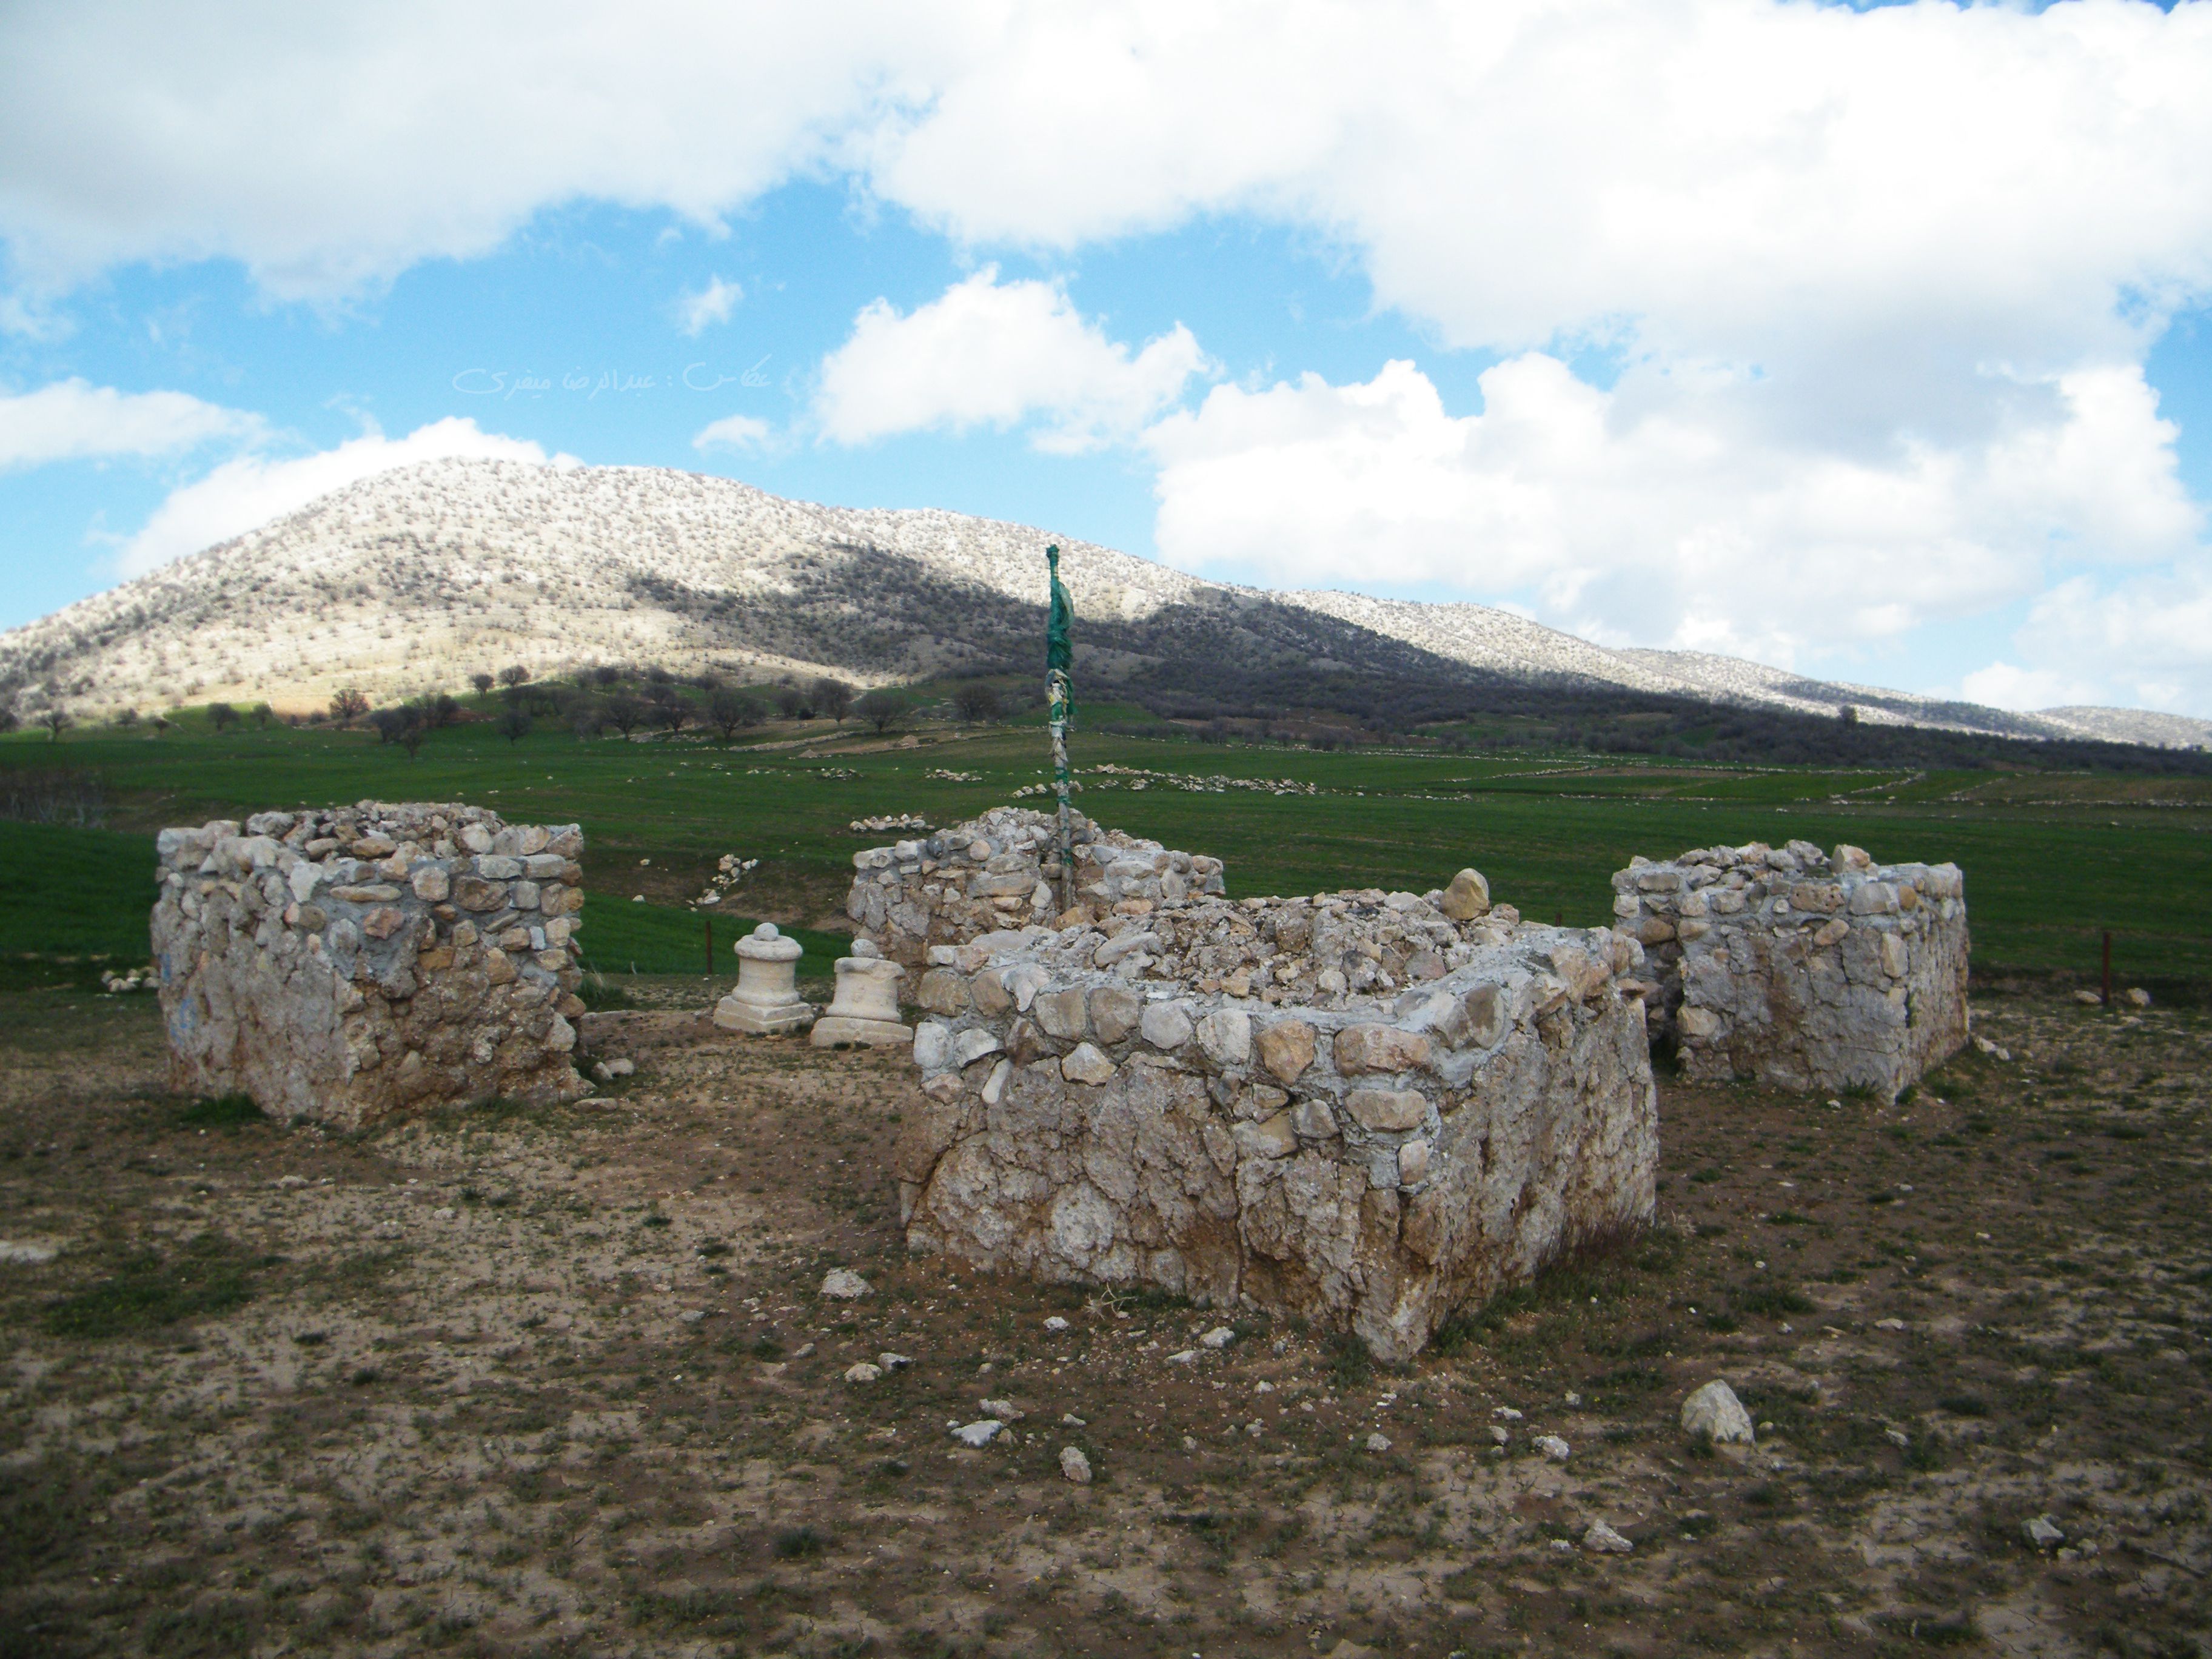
x=1220, y=1337
x=2043, y=1534
x=1074, y=1464
x=1378, y=1442
x=863, y=1372
x=979, y=1434
x=1553, y=1448
x=843, y=1284
x=1605, y=1539
x=1713, y=1412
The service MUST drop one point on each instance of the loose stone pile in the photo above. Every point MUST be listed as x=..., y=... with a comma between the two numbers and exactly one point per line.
x=1367, y=1110
x=984, y=876
x=1799, y=968
x=346, y=963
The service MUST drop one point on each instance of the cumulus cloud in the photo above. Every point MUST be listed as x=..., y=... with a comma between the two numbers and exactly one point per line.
x=1659, y=514
x=1883, y=279
x=733, y=432
x=2138, y=641
x=986, y=353
x=249, y=491
x=73, y=420
x=697, y=312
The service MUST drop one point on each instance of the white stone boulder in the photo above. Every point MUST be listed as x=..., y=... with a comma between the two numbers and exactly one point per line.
x=865, y=1009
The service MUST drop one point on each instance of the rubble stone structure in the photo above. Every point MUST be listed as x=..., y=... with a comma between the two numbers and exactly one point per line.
x=1001, y=870
x=1798, y=968
x=1353, y=1108
x=347, y=963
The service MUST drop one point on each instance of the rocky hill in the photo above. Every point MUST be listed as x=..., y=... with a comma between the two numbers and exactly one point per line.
x=415, y=578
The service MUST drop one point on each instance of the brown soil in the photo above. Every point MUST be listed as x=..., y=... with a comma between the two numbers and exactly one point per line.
x=516, y=1382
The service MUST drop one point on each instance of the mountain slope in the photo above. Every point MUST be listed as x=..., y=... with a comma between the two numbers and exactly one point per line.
x=417, y=577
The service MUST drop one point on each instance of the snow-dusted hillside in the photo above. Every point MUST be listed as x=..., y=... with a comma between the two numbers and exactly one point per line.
x=415, y=578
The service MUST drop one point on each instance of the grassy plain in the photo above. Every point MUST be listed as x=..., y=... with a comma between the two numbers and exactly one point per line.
x=2051, y=860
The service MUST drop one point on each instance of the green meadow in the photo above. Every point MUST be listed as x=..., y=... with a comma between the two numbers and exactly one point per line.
x=2051, y=859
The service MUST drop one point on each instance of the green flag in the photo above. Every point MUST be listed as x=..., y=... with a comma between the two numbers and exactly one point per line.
x=1059, y=647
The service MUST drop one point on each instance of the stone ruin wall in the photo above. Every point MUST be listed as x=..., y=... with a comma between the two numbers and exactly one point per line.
x=1001, y=870
x=1798, y=968
x=347, y=964
x=1351, y=1107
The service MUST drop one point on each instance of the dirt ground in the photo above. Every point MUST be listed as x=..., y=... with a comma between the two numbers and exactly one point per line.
x=519, y=1382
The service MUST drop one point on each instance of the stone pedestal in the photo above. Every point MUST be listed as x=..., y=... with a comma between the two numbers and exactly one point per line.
x=865, y=1007
x=766, y=1000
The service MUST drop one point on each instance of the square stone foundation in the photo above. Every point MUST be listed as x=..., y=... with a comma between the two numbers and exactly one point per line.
x=1098, y=1112
x=1801, y=969
x=347, y=964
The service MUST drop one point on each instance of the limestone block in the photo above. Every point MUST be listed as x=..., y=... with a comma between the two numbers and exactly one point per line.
x=1377, y=1047
x=1466, y=898
x=1285, y=1049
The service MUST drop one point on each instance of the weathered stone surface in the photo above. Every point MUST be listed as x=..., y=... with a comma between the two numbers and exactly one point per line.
x=1379, y=1048
x=378, y=997
x=865, y=1008
x=965, y=883
x=1286, y=1049
x=1802, y=968
x=1713, y=1412
x=766, y=1001
x=1468, y=897
x=1430, y=1142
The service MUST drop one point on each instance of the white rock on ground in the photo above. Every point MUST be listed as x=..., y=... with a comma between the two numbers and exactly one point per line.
x=1553, y=1448
x=1056, y=1323
x=1713, y=1412
x=1220, y=1337
x=979, y=1434
x=1605, y=1539
x=1378, y=1442
x=843, y=1284
x=1074, y=1466
x=1005, y=1410
x=894, y=1361
x=24, y=1255
x=2042, y=1534
x=863, y=1372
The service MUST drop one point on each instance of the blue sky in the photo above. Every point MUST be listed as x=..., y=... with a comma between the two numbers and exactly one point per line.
x=1872, y=343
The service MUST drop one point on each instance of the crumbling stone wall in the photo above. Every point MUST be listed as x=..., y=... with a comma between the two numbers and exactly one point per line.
x=347, y=964
x=991, y=874
x=1798, y=968
x=1353, y=1108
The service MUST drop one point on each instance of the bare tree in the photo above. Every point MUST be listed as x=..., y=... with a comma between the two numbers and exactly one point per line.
x=625, y=714
x=833, y=697
x=221, y=716
x=606, y=673
x=732, y=712
x=670, y=711
x=883, y=709
x=792, y=704
x=514, y=724
x=261, y=713
x=482, y=682
x=514, y=674
x=349, y=704
x=126, y=718
x=585, y=717
x=976, y=701
x=56, y=721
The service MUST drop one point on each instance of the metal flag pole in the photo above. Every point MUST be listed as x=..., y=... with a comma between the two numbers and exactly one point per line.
x=1060, y=710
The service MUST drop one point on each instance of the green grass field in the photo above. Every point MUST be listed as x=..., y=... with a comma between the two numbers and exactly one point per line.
x=2051, y=860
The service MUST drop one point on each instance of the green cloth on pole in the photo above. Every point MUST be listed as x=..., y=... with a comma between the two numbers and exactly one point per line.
x=1058, y=646
x=1060, y=709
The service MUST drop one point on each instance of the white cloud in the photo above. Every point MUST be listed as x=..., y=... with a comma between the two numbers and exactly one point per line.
x=2138, y=642
x=73, y=420
x=713, y=304
x=249, y=491
x=986, y=353
x=734, y=432
x=1658, y=513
